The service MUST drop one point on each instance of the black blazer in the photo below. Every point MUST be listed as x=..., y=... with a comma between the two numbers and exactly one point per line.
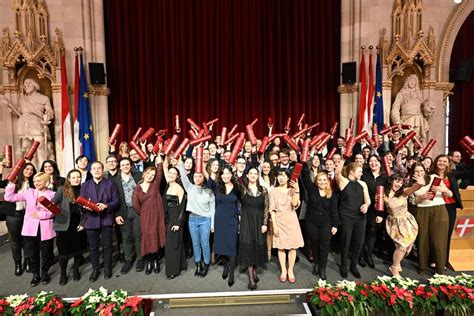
x=122, y=211
x=455, y=189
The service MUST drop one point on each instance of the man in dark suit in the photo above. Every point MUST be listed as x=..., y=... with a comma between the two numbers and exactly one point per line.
x=138, y=165
x=99, y=225
x=126, y=217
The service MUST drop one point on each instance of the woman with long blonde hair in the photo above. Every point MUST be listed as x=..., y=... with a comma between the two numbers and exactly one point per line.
x=322, y=218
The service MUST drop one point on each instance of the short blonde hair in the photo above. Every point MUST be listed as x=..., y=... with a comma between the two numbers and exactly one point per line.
x=43, y=176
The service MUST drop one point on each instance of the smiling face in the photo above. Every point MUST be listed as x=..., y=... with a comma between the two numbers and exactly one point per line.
x=419, y=171
x=426, y=163
x=125, y=166
x=356, y=173
x=284, y=158
x=456, y=158
x=397, y=184
x=241, y=164
x=403, y=152
x=82, y=163
x=329, y=164
x=282, y=179
x=198, y=179
x=252, y=175
x=442, y=164
x=75, y=178
x=149, y=176
x=172, y=175
x=188, y=164
x=48, y=168
x=134, y=156
x=316, y=162
x=266, y=168
x=39, y=183
x=359, y=159
x=111, y=163
x=28, y=171
x=215, y=166
x=226, y=176
x=322, y=181
x=374, y=164
x=97, y=170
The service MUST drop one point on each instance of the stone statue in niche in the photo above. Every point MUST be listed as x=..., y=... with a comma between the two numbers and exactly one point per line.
x=410, y=108
x=35, y=113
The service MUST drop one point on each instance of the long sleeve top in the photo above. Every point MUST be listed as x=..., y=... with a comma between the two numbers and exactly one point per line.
x=201, y=200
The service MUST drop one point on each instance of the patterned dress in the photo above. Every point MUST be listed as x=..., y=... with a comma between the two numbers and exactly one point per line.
x=401, y=225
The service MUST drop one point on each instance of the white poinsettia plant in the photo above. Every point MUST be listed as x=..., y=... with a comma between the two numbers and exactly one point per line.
x=346, y=285
x=15, y=300
x=461, y=279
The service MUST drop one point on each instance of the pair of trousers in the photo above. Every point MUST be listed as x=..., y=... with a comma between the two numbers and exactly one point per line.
x=14, y=225
x=352, y=238
x=131, y=234
x=452, y=212
x=34, y=248
x=94, y=237
x=200, y=229
x=319, y=235
x=433, y=226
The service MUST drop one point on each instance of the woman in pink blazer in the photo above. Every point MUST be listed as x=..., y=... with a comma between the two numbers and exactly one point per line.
x=37, y=226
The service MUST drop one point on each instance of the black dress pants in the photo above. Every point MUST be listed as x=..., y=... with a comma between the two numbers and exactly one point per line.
x=451, y=208
x=352, y=238
x=14, y=225
x=319, y=235
x=94, y=237
x=34, y=247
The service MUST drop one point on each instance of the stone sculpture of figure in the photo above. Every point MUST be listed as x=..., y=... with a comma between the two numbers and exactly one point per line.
x=410, y=108
x=34, y=113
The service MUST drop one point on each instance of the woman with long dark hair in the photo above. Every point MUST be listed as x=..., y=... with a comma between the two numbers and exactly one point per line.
x=354, y=200
x=15, y=213
x=71, y=238
x=37, y=228
x=253, y=226
x=51, y=168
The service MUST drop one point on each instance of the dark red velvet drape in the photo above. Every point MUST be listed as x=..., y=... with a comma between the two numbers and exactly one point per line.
x=232, y=59
x=461, y=115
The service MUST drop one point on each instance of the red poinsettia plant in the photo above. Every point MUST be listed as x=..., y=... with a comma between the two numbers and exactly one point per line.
x=45, y=303
x=5, y=307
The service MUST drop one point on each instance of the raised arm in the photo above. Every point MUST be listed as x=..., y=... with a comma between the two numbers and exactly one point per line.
x=184, y=177
x=341, y=180
x=11, y=196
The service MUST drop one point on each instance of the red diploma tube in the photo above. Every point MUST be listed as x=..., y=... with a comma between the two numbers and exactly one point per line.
x=428, y=147
x=334, y=129
x=436, y=182
x=237, y=147
x=212, y=121
x=172, y=143
x=418, y=144
x=405, y=140
x=304, y=130
x=192, y=134
x=115, y=133
x=223, y=135
x=263, y=145
x=205, y=129
x=177, y=153
x=49, y=205
x=200, y=140
x=361, y=135
x=194, y=124
x=139, y=151
x=379, y=205
x=270, y=122
x=349, y=147
x=254, y=122
x=348, y=134
x=331, y=153
x=351, y=125
x=405, y=126
x=87, y=203
x=156, y=147
x=323, y=141
x=272, y=138
x=287, y=125
x=296, y=172
x=135, y=137
x=177, y=126
x=386, y=166
x=467, y=144
x=16, y=170
x=300, y=121
x=8, y=153
x=371, y=142
x=231, y=139
x=31, y=152
x=388, y=129
x=199, y=152
x=231, y=132
x=305, y=150
x=147, y=134
x=316, y=139
x=162, y=132
x=291, y=143
x=251, y=134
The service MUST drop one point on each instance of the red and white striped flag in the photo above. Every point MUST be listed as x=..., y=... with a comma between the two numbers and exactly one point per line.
x=77, y=143
x=66, y=135
x=362, y=121
x=370, y=96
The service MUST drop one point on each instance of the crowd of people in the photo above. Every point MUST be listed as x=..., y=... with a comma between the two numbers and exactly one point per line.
x=167, y=208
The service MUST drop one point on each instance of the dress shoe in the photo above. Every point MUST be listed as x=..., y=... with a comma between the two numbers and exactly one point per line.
x=322, y=273
x=370, y=262
x=149, y=267
x=256, y=279
x=126, y=267
x=63, y=280
x=170, y=277
x=156, y=266
x=45, y=279
x=27, y=265
x=36, y=280
x=107, y=273
x=121, y=255
x=18, y=268
x=362, y=261
x=355, y=272
x=94, y=275
x=252, y=287
x=343, y=271
x=140, y=266
x=225, y=273
x=76, y=275
x=205, y=270
x=198, y=269
x=315, y=269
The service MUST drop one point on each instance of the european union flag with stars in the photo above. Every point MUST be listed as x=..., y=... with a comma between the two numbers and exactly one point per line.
x=378, y=96
x=86, y=135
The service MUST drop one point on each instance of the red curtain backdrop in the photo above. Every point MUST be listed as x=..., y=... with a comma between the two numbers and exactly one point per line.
x=461, y=115
x=232, y=59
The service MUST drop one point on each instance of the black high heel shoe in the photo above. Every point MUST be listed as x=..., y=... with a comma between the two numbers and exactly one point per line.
x=149, y=267
x=252, y=287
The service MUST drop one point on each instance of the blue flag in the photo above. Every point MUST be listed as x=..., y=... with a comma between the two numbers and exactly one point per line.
x=378, y=96
x=86, y=135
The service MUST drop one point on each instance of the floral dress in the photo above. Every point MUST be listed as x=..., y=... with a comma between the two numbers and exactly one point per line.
x=401, y=225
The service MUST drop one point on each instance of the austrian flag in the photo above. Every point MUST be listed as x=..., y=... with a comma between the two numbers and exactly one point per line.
x=464, y=226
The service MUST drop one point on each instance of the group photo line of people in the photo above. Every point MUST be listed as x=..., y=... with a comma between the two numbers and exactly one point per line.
x=232, y=200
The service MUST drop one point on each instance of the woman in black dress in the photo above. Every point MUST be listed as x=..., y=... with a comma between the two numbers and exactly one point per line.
x=71, y=238
x=174, y=202
x=253, y=226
